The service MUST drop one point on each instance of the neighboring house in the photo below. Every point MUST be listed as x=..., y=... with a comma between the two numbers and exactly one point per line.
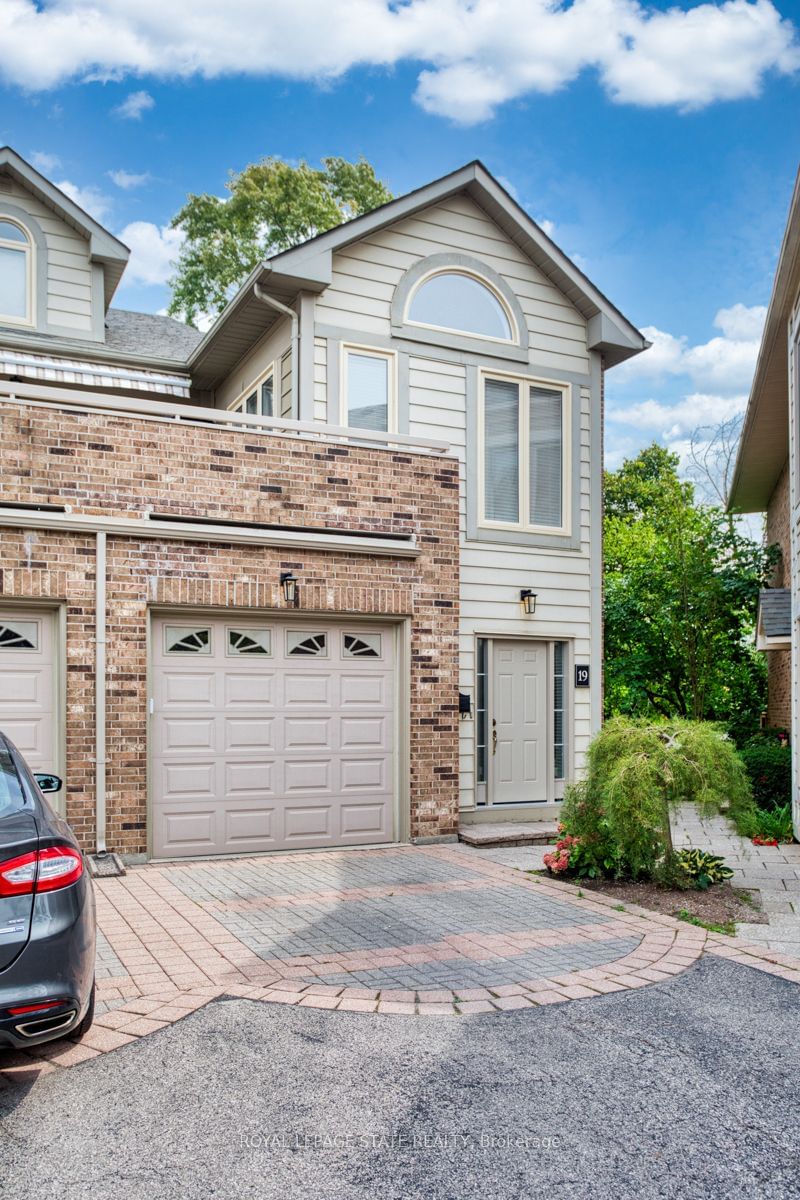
x=767, y=479
x=404, y=415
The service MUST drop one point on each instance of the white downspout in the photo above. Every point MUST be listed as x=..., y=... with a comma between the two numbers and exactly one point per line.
x=100, y=693
x=295, y=345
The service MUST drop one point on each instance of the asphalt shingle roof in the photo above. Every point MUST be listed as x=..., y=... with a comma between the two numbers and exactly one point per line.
x=775, y=606
x=149, y=333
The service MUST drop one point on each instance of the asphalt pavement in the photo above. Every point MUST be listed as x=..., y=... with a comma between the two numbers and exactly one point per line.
x=685, y=1089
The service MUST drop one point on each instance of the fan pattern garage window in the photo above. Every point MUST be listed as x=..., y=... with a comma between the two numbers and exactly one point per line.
x=249, y=641
x=364, y=645
x=19, y=635
x=16, y=252
x=462, y=303
x=307, y=644
x=186, y=639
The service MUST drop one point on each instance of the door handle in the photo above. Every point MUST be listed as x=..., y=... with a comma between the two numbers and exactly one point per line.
x=494, y=737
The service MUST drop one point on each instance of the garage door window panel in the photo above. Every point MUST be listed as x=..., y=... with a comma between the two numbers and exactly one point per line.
x=187, y=639
x=305, y=644
x=255, y=642
x=19, y=635
x=361, y=645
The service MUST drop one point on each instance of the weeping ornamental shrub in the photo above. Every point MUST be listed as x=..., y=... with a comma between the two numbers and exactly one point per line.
x=637, y=771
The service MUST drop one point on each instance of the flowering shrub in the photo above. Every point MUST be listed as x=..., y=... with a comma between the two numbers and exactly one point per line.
x=558, y=860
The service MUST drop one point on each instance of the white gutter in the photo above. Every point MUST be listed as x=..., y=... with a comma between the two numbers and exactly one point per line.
x=188, y=531
x=261, y=295
x=100, y=692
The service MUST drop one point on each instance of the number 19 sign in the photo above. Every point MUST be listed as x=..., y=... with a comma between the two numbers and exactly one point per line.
x=581, y=676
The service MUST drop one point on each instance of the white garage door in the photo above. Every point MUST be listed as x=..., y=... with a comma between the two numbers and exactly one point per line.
x=270, y=735
x=28, y=685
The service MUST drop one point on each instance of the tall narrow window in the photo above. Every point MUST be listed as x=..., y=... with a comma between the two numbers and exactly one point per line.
x=481, y=702
x=501, y=450
x=559, y=725
x=16, y=273
x=524, y=455
x=367, y=390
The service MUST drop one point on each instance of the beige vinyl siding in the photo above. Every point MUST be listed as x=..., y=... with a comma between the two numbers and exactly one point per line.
x=366, y=274
x=267, y=351
x=69, y=271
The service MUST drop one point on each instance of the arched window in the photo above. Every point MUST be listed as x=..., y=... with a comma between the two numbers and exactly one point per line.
x=16, y=272
x=461, y=302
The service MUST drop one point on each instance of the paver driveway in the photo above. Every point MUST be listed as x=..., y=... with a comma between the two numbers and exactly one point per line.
x=407, y=930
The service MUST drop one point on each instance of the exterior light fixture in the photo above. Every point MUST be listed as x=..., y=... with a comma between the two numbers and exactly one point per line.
x=290, y=590
x=528, y=601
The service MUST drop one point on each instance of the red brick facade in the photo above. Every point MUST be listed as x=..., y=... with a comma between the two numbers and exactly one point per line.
x=114, y=465
x=779, y=664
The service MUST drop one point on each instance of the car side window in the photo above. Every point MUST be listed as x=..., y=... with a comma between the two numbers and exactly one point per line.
x=12, y=797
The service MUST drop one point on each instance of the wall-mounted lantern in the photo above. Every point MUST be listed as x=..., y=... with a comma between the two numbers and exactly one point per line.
x=289, y=586
x=528, y=601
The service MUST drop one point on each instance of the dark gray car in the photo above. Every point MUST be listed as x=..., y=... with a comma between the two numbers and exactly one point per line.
x=47, y=920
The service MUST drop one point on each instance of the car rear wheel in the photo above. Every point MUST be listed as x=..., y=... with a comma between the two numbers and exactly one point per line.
x=86, y=1023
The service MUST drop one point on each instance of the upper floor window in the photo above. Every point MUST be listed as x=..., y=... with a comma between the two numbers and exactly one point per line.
x=16, y=273
x=460, y=302
x=368, y=389
x=258, y=399
x=524, y=460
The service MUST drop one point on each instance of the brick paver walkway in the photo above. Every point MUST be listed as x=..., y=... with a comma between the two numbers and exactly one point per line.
x=418, y=931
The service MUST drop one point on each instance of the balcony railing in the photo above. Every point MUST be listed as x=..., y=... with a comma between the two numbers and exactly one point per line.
x=158, y=411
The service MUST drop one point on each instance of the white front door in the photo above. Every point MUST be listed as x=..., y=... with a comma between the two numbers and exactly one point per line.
x=518, y=727
x=270, y=735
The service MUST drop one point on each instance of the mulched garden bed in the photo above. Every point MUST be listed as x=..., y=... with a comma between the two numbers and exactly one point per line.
x=720, y=905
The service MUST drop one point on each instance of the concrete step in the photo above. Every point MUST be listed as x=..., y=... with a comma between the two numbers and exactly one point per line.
x=507, y=833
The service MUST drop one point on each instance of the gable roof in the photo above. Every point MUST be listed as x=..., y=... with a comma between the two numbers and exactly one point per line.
x=103, y=246
x=764, y=445
x=151, y=334
x=308, y=267
x=774, y=623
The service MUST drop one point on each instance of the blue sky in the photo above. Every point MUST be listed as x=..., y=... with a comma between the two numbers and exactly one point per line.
x=660, y=143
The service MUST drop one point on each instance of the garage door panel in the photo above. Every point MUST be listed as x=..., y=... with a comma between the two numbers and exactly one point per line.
x=368, y=822
x=250, y=778
x=249, y=827
x=308, y=775
x=299, y=732
x=188, y=733
x=267, y=751
x=250, y=688
x=249, y=733
x=363, y=691
x=189, y=780
x=23, y=687
x=188, y=688
x=307, y=690
x=363, y=774
x=29, y=735
x=313, y=822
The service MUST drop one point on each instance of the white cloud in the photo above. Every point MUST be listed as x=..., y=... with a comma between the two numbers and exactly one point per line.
x=475, y=54
x=724, y=364
x=128, y=180
x=154, y=251
x=46, y=163
x=672, y=421
x=90, y=199
x=134, y=105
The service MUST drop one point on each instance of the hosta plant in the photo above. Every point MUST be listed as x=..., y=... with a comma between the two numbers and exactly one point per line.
x=703, y=868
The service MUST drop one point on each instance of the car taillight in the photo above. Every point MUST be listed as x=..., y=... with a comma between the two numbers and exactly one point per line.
x=22, y=1009
x=40, y=871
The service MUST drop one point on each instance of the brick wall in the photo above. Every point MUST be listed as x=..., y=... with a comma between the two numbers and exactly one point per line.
x=116, y=465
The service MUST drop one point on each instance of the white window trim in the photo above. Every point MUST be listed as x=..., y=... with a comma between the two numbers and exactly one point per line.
x=237, y=405
x=526, y=382
x=485, y=337
x=390, y=357
x=30, y=275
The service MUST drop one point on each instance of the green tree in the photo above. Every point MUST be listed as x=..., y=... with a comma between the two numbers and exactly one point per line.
x=272, y=206
x=681, y=588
